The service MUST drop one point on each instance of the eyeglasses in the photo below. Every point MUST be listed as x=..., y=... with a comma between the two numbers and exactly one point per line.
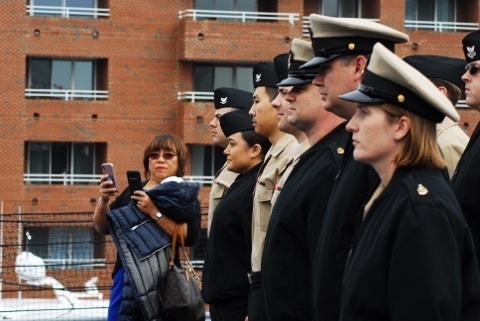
x=472, y=69
x=166, y=156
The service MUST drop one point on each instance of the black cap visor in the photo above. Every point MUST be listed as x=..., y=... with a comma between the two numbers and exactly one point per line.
x=294, y=81
x=317, y=61
x=360, y=97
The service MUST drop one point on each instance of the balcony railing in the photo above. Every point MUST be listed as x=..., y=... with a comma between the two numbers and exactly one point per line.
x=64, y=179
x=306, y=25
x=242, y=16
x=70, y=179
x=194, y=96
x=202, y=180
x=441, y=26
x=67, y=94
x=67, y=12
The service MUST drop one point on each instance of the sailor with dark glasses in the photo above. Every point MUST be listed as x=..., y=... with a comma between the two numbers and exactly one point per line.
x=466, y=178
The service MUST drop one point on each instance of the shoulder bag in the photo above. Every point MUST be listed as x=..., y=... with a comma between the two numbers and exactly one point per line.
x=182, y=298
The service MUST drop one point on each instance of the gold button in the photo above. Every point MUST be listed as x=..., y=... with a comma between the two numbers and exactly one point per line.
x=351, y=46
x=401, y=98
x=340, y=151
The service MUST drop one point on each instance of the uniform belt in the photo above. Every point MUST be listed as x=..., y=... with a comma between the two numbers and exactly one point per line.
x=254, y=277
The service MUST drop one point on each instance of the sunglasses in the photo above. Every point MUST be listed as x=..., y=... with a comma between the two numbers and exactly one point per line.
x=472, y=69
x=166, y=156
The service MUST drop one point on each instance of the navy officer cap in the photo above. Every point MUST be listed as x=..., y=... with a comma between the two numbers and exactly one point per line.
x=446, y=68
x=300, y=53
x=264, y=74
x=390, y=79
x=332, y=37
x=232, y=97
x=236, y=121
x=471, y=46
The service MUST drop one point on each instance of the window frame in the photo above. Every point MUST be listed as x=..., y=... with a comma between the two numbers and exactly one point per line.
x=217, y=81
x=72, y=175
x=52, y=252
x=68, y=91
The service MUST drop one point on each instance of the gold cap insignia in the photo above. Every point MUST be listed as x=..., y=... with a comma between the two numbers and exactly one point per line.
x=422, y=190
x=340, y=150
x=401, y=98
x=351, y=46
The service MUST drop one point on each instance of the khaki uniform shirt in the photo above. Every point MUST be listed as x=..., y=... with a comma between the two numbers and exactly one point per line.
x=452, y=141
x=220, y=185
x=299, y=149
x=276, y=159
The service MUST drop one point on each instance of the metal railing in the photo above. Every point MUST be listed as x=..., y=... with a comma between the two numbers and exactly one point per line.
x=195, y=95
x=440, y=26
x=242, y=16
x=70, y=179
x=64, y=264
x=306, y=25
x=66, y=94
x=67, y=12
x=204, y=180
x=64, y=179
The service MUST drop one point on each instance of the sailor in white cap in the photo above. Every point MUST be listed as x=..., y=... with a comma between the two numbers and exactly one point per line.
x=300, y=53
x=342, y=47
x=466, y=179
x=298, y=212
x=413, y=256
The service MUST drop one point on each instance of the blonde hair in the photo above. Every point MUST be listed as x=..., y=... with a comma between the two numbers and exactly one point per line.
x=421, y=148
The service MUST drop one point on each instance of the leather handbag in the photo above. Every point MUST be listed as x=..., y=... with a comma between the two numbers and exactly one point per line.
x=182, y=297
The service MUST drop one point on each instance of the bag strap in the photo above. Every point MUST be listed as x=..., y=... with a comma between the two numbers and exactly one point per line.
x=188, y=265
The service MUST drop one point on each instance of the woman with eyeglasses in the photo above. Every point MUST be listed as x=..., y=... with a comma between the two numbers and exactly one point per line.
x=165, y=156
x=412, y=257
x=227, y=259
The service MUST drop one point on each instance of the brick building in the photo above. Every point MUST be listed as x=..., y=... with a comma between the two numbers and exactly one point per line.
x=92, y=81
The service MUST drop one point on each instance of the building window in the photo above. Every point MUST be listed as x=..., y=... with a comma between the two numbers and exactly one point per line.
x=206, y=161
x=68, y=8
x=63, y=162
x=208, y=77
x=430, y=10
x=66, y=79
x=342, y=8
x=62, y=247
x=227, y=5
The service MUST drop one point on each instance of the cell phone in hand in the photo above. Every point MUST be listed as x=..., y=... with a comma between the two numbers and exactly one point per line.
x=108, y=169
x=134, y=181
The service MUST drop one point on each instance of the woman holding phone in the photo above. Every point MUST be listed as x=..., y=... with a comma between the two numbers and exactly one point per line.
x=165, y=156
x=412, y=257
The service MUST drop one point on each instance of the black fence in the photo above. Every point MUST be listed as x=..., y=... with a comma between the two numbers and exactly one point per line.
x=54, y=266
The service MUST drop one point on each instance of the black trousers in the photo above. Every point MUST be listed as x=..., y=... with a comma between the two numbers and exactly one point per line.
x=257, y=310
x=235, y=310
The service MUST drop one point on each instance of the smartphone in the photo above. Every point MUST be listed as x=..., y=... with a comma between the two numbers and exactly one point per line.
x=108, y=169
x=134, y=181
